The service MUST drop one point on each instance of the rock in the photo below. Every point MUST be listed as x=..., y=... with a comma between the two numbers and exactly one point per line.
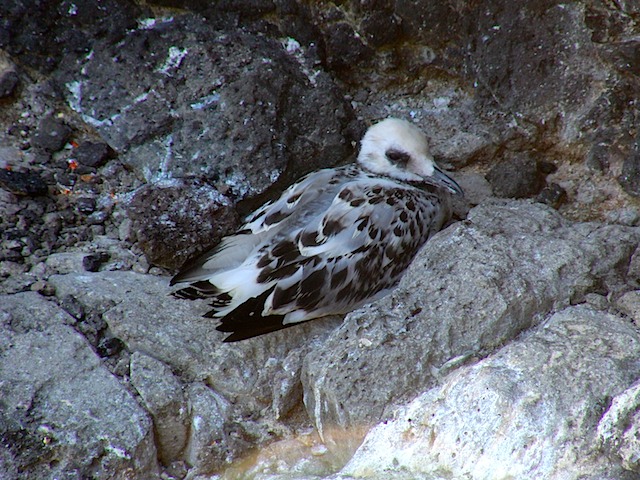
x=92, y=261
x=10, y=269
x=138, y=311
x=51, y=135
x=598, y=157
x=43, y=288
x=66, y=179
x=61, y=30
x=473, y=288
x=173, y=332
x=93, y=154
x=629, y=179
x=565, y=71
x=345, y=47
x=485, y=420
x=8, y=76
x=28, y=311
x=211, y=442
x=629, y=304
x=63, y=414
x=86, y=205
x=67, y=262
x=107, y=345
x=237, y=127
x=8, y=83
x=238, y=105
x=381, y=28
x=553, y=195
x=634, y=270
x=27, y=183
x=72, y=306
x=619, y=428
x=517, y=178
x=163, y=398
x=476, y=188
x=175, y=220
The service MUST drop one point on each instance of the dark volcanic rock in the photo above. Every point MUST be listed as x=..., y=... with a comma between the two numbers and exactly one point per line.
x=344, y=47
x=51, y=135
x=86, y=205
x=93, y=154
x=8, y=83
x=92, y=262
x=175, y=220
x=520, y=177
x=44, y=33
x=630, y=177
x=528, y=74
x=22, y=183
x=235, y=108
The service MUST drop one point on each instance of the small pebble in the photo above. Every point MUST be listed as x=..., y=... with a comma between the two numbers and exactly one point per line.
x=97, y=230
x=596, y=300
x=93, y=261
x=97, y=218
x=8, y=83
x=66, y=179
x=109, y=346
x=51, y=135
x=598, y=157
x=629, y=179
x=142, y=265
x=43, y=288
x=93, y=154
x=553, y=195
x=318, y=450
x=86, y=205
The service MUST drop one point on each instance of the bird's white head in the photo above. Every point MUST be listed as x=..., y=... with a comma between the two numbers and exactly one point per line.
x=398, y=149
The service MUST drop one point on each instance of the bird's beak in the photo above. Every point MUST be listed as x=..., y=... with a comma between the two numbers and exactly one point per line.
x=443, y=180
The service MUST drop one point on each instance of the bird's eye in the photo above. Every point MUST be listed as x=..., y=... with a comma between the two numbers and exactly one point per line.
x=397, y=157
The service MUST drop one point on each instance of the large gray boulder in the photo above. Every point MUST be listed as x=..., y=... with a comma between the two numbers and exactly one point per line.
x=474, y=287
x=530, y=411
x=63, y=415
x=199, y=391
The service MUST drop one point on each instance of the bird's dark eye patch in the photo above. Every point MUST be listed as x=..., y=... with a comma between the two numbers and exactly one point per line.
x=397, y=157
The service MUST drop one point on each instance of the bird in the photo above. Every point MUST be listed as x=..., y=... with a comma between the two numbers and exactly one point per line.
x=335, y=240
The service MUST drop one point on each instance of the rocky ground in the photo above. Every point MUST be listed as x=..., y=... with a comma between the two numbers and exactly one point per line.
x=134, y=135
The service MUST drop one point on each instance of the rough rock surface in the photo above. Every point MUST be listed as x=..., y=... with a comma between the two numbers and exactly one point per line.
x=164, y=399
x=186, y=99
x=171, y=227
x=471, y=289
x=559, y=379
x=64, y=415
x=135, y=134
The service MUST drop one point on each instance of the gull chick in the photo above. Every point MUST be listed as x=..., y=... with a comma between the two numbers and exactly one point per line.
x=335, y=240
